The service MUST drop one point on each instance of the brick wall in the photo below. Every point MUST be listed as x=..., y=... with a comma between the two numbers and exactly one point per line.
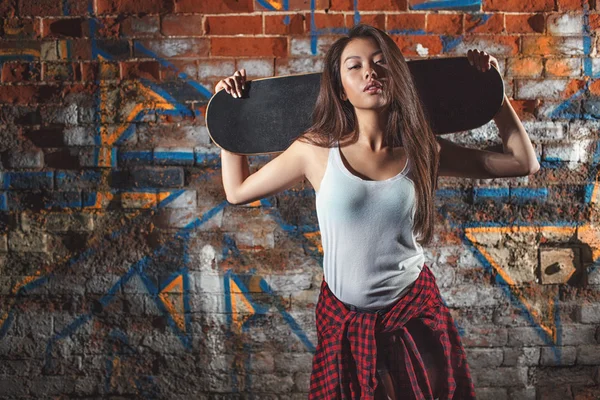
x=125, y=272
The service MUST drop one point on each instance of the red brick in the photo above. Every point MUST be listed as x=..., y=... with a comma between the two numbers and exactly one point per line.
x=378, y=5
x=61, y=27
x=214, y=7
x=21, y=28
x=574, y=86
x=76, y=7
x=106, y=27
x=142, y=69
x=21, y=94
x=561, y=67
x=528, y=67
x=525, y=109
x=275, y=25
x=494, y=24
x=573, y=5
x=408, y=45
x=595, y=88
x=448, y=24
x=134, y=6
x=342, y=5
x=20, y=72
x=233, y=25
x=325, y=21
x=543, y=45
x=594, y=21
x=518, y=5
x=243, y=46
x=376, y=20
x=81, y=49
x=182, y=25
x=525, y=23
x=40, y=8
x=406, y=21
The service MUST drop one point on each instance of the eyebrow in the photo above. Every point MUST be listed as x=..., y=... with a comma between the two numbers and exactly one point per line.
x=349, y=57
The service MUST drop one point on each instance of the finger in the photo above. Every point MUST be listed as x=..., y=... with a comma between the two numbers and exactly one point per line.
x=243, y=71
x=236, y=83
x=230, y=86
x=486, y=61
x=222, y=85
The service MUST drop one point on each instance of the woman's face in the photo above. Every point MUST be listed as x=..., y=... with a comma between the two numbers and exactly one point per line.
x=362, y=61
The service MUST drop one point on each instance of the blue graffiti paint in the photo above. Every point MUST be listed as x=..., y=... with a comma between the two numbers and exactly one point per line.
x=587, y=43
x=27, y=179
x=314, y=32
x=166, y=157
x=229, y=246
x=207, y=159
x=179, y=108
x=448, y=4
x=406, y=32
x=65, y=7
x=144, y=156
x=201, y=89
x=172, y=197
x=450, y=42
x=113, y=158
x=3, y=202
x=356, y=13
x=501, y=192
x=63, y=204
x=85, y=176
x=529, y=193
x=449, y=193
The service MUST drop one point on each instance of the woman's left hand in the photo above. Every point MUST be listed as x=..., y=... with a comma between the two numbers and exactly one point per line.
x=482, y=60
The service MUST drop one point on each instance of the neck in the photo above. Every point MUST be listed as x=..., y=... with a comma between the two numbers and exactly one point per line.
x=371, y=129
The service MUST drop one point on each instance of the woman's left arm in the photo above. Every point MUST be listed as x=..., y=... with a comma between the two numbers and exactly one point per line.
x=518, y=157
x=515, y=140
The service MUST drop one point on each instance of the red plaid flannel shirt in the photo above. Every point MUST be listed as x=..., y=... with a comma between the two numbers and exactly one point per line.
x=344, y=364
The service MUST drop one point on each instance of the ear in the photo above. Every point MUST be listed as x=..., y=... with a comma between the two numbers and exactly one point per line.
x=343, y=96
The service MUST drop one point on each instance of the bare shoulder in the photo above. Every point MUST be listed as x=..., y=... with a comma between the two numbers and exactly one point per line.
x=315, y=158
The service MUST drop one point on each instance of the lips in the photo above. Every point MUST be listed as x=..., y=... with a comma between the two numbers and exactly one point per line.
x=372, y=84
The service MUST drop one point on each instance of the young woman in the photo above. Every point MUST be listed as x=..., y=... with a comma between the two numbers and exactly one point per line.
x=371, y=157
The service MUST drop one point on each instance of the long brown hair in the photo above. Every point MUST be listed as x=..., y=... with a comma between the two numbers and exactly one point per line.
x=407, y=125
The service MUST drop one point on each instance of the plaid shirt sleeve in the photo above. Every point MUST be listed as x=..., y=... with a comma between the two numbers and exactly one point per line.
x=344, y=364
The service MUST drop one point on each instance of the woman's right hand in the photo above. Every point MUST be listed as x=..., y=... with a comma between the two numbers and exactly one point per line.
x=234, y=84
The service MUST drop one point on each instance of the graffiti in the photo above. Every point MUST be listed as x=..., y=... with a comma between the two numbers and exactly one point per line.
x=164, y=274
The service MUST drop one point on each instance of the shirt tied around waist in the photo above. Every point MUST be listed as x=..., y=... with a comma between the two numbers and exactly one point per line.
x=344, y=364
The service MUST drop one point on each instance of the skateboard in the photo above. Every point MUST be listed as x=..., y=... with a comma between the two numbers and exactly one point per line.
x=273, y=112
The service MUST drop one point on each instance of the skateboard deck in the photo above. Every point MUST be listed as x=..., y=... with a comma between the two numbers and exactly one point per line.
x=273, y=112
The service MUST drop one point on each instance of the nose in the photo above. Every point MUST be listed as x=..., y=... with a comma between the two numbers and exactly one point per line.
x=371, y=72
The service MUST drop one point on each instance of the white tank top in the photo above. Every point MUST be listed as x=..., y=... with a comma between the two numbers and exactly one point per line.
x=370, y=254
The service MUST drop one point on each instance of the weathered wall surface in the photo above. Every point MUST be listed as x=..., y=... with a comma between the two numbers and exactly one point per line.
x=125, y=272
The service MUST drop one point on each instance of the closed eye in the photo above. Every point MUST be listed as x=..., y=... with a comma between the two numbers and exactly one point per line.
x=377, y=62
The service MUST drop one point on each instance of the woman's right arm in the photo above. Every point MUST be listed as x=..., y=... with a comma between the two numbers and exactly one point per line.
x=281, y=173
